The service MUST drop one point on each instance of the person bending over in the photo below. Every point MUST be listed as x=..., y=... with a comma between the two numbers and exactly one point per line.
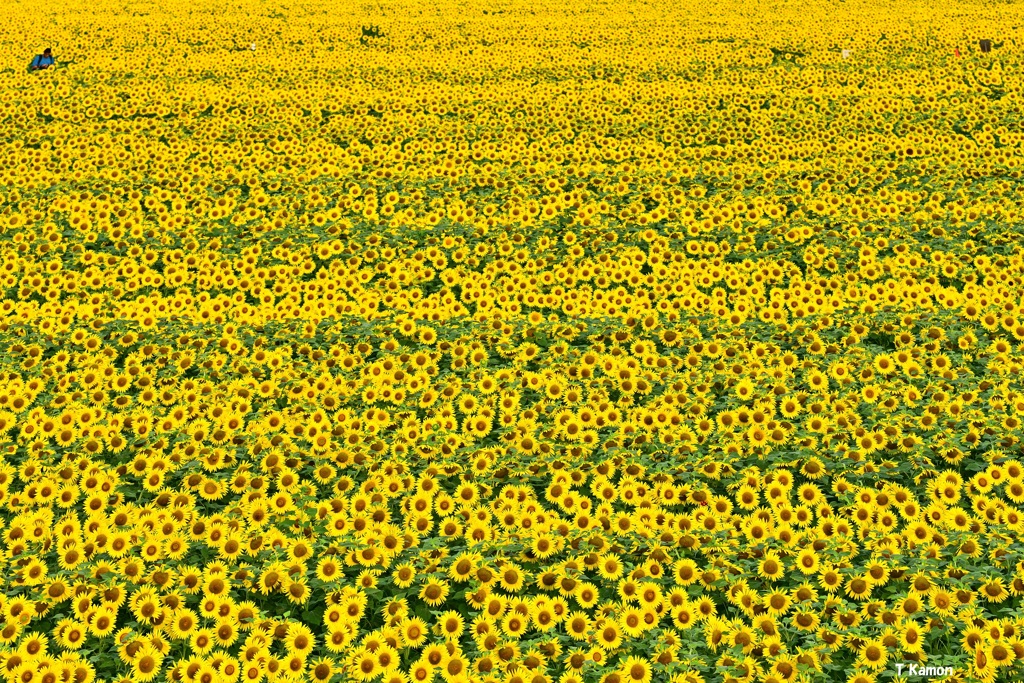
x=43, y=61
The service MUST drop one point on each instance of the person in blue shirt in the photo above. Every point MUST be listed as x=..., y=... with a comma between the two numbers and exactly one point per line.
x=43, y=61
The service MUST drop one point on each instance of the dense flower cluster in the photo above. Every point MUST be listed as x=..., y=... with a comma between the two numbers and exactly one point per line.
x=510, y=344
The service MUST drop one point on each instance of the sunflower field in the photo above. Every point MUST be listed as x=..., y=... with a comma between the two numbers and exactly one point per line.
x=511, y=342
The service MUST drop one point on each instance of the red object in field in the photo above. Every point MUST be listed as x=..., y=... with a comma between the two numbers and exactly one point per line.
x=956, y=51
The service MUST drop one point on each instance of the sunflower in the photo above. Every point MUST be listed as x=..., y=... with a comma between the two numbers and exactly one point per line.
x=225, y=631
x=807, y=561
x=463, y=567
x=403, y=575
x=183, y=623
x=321, y=670
x=33, y=572
x=300, y=639
x=387, y=657
x=367, y=579
x=246, y=614
x=586, y=594
x=421, y=672
x=777, y=602
x=1002, y=654
x=993, y=589
x=635, y=670
x=873, y=654
x=608, y=633
x=861, y=677
x=328, y=570
x=544, y=546
x=829, y=578
x=744, y=390
x=10, y=632
x=434, y=592
x=57, y=590
x=542, y=615
x=632, y=621
x=704, y=608
x=628, y=590
x=805, y=621
x=771, y=566
x=103, y=621
x=146, y=664
x=71, y=634
x=414, y=632
x=451, y=624
x=858, y=587
x=511, y=578
x=364, y=665
x=202, y=640
x=610, y=567
x=515, y=624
